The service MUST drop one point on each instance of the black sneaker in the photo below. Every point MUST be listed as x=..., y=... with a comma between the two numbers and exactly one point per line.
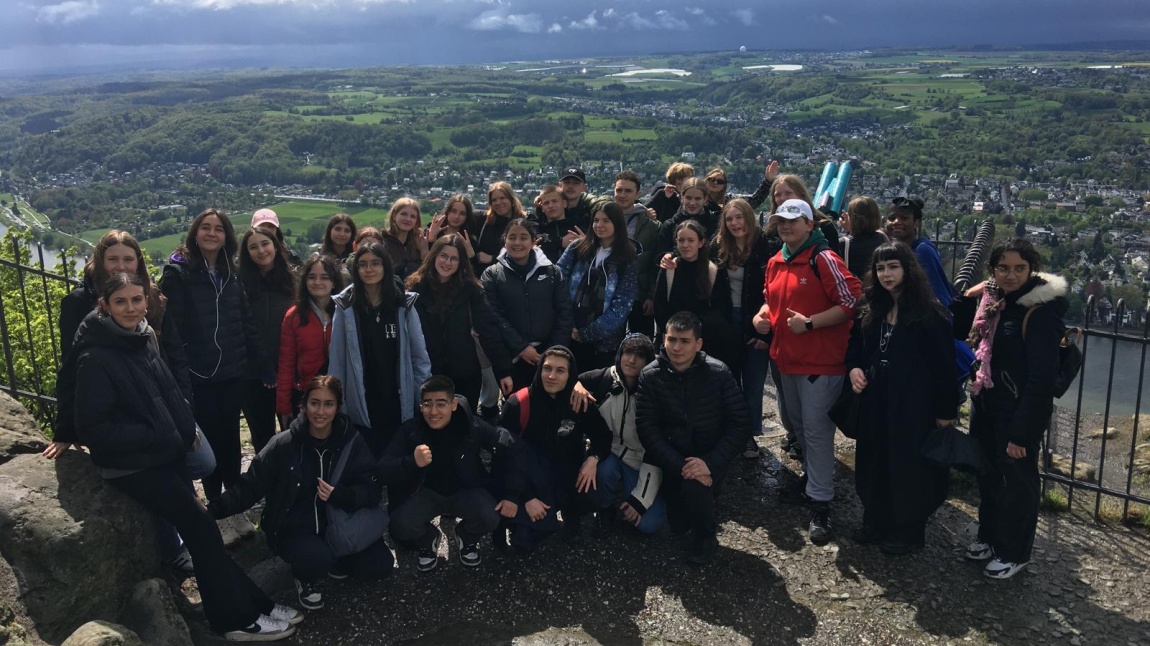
x=899, y=547
x=788, y=441
x=499, y=539
x=702, y=549
x=427, y=558
x=795, y=494
x=572, y=531
x=751, y=451
x=604, y=519
x=469, y=554
x=310, y=596
x=820, y=527
x=337, y=574
x=795, y=452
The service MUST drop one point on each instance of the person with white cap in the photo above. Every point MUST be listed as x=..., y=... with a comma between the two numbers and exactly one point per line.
x=810, y=302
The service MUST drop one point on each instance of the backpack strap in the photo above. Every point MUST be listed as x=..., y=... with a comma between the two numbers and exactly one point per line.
x=1026, y=319
x=523, y=396
x=819, y=248
x=337, y=473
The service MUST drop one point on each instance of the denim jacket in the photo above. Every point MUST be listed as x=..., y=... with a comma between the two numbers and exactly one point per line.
x=620, y=290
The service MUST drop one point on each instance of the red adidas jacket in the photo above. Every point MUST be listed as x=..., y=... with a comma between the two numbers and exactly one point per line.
x=303, y=351
x=793, y=285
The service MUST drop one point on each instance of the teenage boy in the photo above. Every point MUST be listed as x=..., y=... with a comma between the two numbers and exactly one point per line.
x=644, y=233
x=628, y=485
x=579, y=206
x=436, y=470
x=555, y=231
x=692, y=421
x=904, y=224
x=562, y=449
x=665, y=198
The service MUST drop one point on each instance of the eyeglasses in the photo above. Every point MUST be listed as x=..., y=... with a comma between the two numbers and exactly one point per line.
x=1005, y=270
x=717, y=180
x=439, y=405
x=449, y=259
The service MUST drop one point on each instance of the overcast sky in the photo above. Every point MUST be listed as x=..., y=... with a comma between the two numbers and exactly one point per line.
x=83, y=34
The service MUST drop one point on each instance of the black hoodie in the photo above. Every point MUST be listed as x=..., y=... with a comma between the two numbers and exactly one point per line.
x=553, y=428
x=128, y=409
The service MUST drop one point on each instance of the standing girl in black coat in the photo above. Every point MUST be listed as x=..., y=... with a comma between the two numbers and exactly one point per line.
x=269, y=285
x=1016, y=336
x=130, y=414
x=899, y=359
x=454, y=313
x=339, y=237
x=458, y=217
x=503, y=206
x=207, y=302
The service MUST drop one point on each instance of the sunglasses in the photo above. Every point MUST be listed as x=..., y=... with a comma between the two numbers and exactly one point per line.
x=901, y=201
x=717, y=180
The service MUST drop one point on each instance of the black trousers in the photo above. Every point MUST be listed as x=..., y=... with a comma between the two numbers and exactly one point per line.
x=639, y=322
x=259, y=408
x=411, y=522
x=217, y=411
x=231, y=599
x=1008, y=489
x=311, y=559
x=690, y=505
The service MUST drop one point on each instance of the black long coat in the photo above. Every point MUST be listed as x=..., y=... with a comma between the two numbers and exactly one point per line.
x=910, y=386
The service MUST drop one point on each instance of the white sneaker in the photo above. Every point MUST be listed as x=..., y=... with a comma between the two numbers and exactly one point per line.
x=244, y=527
x=1000, y=569
x=264, y=629
x=978, y=551
x=228, y=532
x=286, y=613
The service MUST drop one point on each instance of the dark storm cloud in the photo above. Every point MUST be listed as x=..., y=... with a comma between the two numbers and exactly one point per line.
x=369, y=32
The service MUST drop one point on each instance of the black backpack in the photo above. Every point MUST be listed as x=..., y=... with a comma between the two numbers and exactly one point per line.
x=1069, y=356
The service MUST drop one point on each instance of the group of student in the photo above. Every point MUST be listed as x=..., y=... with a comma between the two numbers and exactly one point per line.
x=522, y=372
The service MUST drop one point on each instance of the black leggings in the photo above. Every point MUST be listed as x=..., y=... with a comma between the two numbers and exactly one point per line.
x=218, y=414
x=231, y=600
x=259, y=407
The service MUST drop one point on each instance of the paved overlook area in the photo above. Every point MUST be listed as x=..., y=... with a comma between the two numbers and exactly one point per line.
x=1088, y=584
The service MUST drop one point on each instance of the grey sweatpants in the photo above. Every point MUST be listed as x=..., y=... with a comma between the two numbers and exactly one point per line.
x=807, y=406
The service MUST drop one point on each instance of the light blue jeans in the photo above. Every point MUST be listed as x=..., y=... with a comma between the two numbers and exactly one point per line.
x=616, y=481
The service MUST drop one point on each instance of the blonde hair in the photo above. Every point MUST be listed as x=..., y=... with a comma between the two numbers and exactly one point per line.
x=679, y=171
x=392, y=231
x=728, y=254
x=516, y=205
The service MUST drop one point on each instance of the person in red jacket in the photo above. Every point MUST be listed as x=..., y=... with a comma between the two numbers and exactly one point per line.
x=810, y=303
x=306, y=333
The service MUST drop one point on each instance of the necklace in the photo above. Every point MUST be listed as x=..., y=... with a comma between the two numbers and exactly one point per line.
x=885, y=332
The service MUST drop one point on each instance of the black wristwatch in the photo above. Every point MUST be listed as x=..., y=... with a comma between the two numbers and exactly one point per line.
x=810, y=323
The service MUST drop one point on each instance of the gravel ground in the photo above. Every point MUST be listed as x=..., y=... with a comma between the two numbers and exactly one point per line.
x=1087, y=584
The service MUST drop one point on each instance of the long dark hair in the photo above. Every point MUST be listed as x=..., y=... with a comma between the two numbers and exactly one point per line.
x=303, y=299
x=328, y=246
x=280, y=278
x=443, y=293
x=916, y=299
x=324, y=381
x=388, y=288
x=702, y=263
x=190, y=250
x=622, y=251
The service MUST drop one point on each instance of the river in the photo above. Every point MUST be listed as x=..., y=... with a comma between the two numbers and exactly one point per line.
x=1125, y=392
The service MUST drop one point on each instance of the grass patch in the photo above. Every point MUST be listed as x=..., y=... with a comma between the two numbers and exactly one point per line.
x=1054, y=499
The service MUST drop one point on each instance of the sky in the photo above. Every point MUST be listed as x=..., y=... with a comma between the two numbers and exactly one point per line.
x=85, y=35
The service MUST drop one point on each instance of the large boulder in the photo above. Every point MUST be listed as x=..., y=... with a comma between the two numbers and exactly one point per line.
x=72, y=546
x=103, y=633
x=19, y=433
x=151, y=612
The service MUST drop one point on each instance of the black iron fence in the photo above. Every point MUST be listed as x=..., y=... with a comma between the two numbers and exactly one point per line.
x=30, y=294
x=1111, y=468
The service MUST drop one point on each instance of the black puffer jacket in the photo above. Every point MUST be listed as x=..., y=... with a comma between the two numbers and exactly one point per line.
x=214, y=322
x=285, y=471
x=267, y=305
x=553, y=428
x=450, y=346
x=532, y=307
x=128, y=409
x=699, y=412
x=1023, y=369
x=488, y=239
x=403, y=477
x=709, y=220
x=73, y=309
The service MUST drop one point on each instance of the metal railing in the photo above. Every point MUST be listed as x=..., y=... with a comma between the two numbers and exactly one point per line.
x=29, y=327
